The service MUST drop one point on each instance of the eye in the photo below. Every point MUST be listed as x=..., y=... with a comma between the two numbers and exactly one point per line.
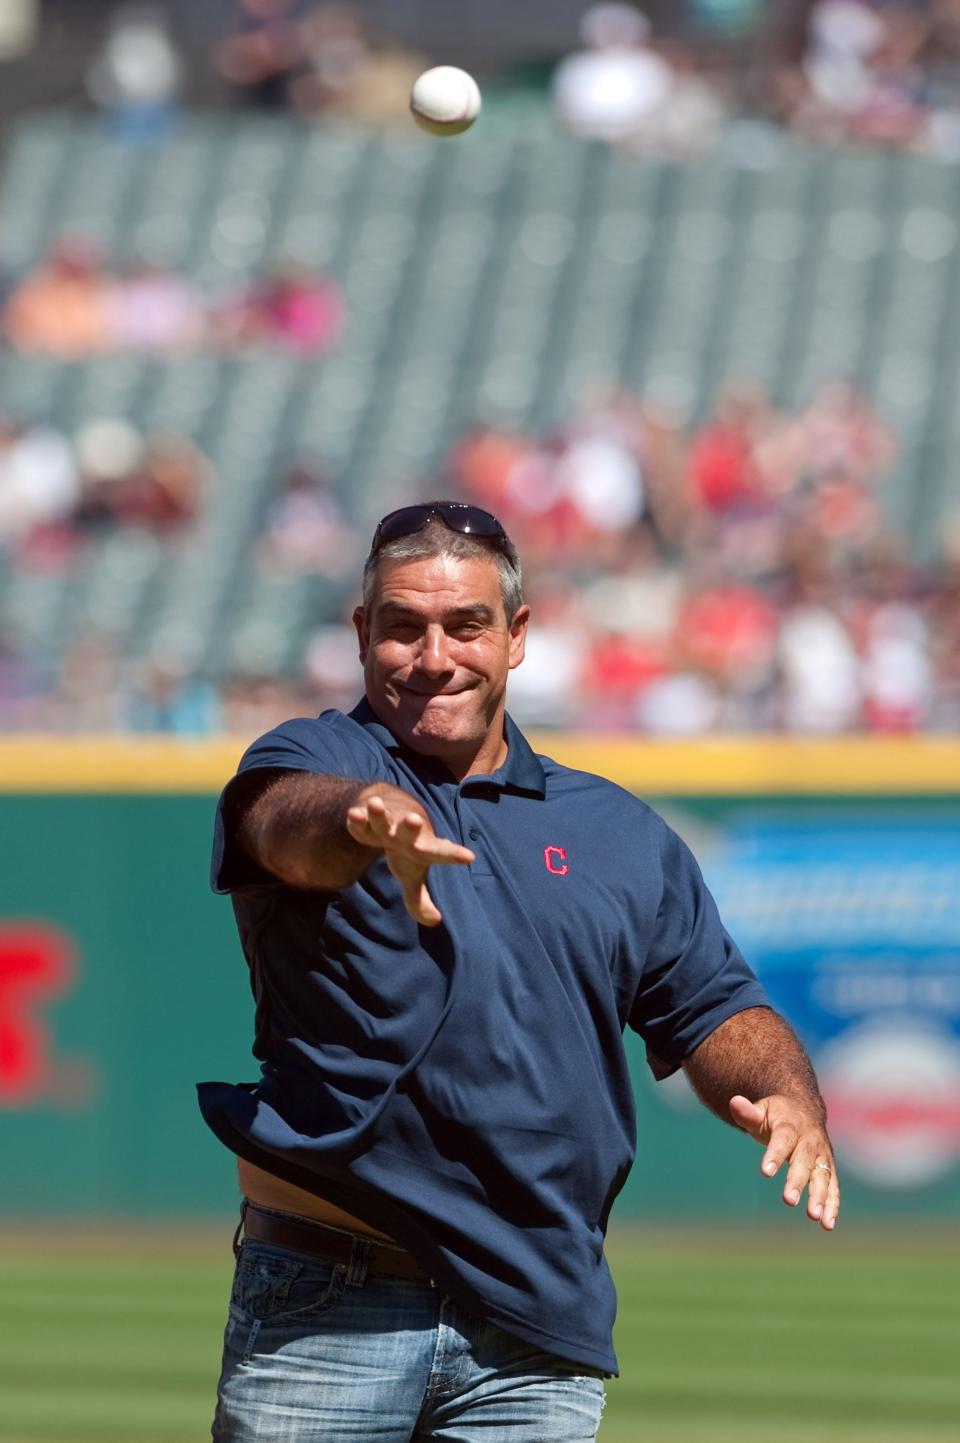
x=467, y=630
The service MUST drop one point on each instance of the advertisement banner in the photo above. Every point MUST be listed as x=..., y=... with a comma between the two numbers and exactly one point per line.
x=122, y=984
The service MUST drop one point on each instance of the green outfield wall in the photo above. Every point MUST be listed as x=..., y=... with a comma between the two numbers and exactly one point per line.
x=837, y=866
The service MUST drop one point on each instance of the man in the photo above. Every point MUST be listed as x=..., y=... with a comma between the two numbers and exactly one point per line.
x=447, y=936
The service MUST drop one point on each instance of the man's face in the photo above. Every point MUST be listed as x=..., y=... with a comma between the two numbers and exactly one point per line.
x=436, y=650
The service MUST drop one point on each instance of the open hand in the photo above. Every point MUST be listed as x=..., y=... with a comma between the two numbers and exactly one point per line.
x=791, y=1134
x=410, y=847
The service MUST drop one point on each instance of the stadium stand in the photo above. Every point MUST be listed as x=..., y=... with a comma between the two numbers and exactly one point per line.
x=493, y=281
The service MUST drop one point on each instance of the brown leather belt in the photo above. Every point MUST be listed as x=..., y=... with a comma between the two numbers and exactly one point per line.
x=285, y=1230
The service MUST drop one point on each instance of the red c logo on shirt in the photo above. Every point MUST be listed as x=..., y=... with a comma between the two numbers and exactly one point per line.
x=551, y=855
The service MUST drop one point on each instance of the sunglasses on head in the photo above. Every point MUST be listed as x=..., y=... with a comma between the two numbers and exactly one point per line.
x=455, y=515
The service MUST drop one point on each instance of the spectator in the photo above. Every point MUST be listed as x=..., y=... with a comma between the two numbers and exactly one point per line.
x=843, y=433
x=39, y=484
x=291, y=309
x=724, y=470
x=346, y=75
x=639, y=588
x=482, y=463
x=137, y=75
x=679, y=704
x=738, y=577
x=74, y=307
x=164, y=493
x=61, y=309
x=821, y=688
x=613, y=87
x=260, y=54
x=152, y=309
x=896, y=670
x=305, y=529
x=861, y=76
x=296, y=311
x=544, y=690
x=330, y=666
x=109, y=452
x=88, y=697
x=728, y=631
x=21, y=687
x=167, y=697
x=128, y=480
x=692, y=116
x=255, y=704
x=600, y=475
x=619, y=667
x=19, y=29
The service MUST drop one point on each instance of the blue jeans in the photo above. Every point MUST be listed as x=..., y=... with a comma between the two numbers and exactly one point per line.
x=318, y=1352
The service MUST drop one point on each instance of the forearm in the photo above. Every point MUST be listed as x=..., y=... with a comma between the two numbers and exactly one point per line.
x=755, y=1054
x=297, y=829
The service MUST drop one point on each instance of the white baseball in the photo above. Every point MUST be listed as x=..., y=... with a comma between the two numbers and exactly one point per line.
x=445, y=100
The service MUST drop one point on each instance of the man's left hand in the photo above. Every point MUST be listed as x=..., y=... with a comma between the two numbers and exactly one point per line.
x=792, y=1134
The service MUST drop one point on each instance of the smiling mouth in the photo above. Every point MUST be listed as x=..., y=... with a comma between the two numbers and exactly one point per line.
x=434, y=695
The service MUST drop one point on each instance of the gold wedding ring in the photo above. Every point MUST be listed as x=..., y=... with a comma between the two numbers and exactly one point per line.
x=822, y=1167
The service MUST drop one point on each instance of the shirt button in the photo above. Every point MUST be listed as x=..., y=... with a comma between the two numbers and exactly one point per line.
x=474, y=834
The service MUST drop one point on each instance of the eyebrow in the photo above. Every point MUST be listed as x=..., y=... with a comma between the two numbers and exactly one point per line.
x=476, y=611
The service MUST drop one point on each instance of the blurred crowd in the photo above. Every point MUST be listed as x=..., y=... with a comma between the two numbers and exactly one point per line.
x=316, y=61
x=56, y=491
x=738, y=576
x=881, y=72
x=877, y=72
x=74, y=305
x=313, y=60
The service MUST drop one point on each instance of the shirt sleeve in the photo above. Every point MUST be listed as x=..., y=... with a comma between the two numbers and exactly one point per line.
x=305, y=744
x=695, y=976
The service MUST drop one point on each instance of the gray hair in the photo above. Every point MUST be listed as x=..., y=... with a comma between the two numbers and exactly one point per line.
x=436, y=539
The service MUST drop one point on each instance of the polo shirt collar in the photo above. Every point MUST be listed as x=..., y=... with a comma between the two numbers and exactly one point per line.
x=522, y=769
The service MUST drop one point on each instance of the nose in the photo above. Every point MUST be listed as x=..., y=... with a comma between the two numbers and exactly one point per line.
x=434, y=659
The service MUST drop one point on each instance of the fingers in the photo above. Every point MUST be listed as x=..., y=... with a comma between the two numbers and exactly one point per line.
x=430, y=849
x=811, y=1167
x=781, y=1145
x=831, y=1206
x=372, y=824
x=792, y=1136
x=410, y=848
x=823, y=1193
x=420, y=904
x=749, y=1116
x=823, y=1190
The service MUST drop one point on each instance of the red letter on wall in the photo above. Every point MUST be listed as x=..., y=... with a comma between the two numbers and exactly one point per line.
x=36, y=966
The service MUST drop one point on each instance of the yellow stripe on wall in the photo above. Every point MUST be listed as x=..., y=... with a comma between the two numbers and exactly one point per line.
x=764, y=765
x=112, y=764
x=714, y=766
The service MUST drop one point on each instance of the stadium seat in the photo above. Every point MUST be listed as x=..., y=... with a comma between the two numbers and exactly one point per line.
x=497, y=279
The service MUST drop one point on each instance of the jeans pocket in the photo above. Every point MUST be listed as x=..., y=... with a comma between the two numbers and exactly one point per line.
x=279, y=1290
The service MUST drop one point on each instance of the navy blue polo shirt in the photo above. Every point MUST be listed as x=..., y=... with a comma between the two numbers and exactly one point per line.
x=465, y=1087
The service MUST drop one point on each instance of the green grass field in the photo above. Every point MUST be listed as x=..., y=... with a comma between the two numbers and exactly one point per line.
x=729, y=1337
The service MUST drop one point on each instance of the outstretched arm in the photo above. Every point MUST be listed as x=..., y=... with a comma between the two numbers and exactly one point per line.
x=753, y=1073
x=323, y=832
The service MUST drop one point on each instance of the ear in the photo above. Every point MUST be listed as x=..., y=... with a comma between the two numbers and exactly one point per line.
x=518, y=636
x=363, y=632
